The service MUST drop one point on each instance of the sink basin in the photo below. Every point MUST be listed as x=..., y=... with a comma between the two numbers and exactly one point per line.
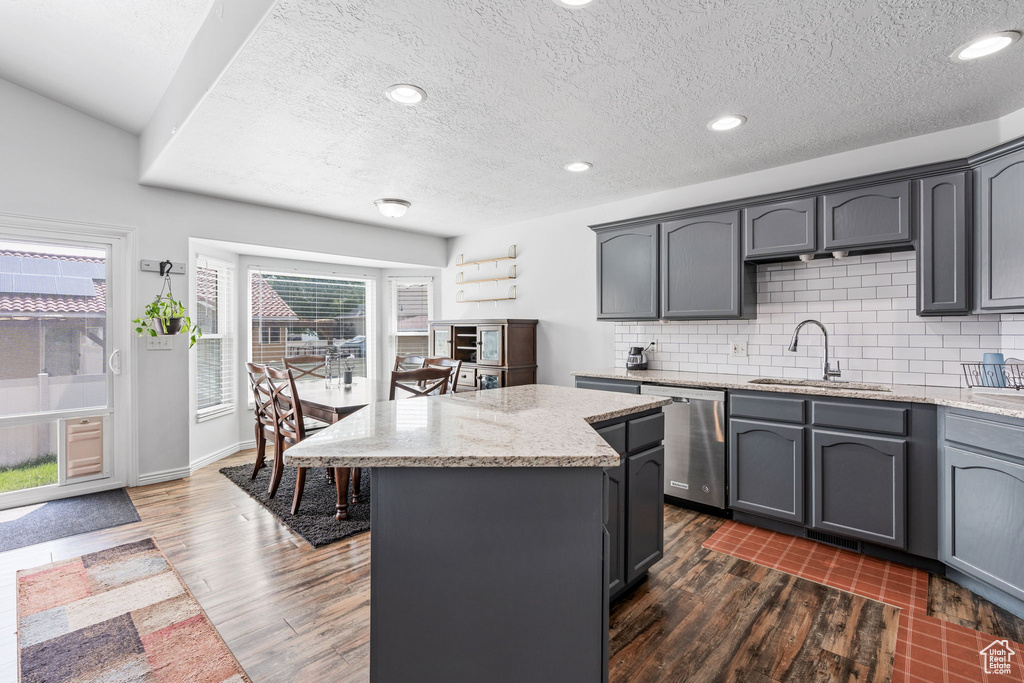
x=841, y=386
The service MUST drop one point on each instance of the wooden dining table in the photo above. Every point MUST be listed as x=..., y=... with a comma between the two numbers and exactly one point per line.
x=331, y=403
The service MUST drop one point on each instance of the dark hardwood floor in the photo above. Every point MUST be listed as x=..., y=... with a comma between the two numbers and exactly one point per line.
x=291, y=612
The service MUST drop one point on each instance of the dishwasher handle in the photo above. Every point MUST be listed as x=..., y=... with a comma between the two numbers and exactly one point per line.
x=687, y=393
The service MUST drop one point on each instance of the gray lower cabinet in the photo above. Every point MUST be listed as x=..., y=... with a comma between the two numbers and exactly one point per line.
x=866, y=217
x=858, y=486
x=627, y=273
x=780, y=229
x=1001, y=234
x=766, y=469
x=703, y=275
x=944, y=245
x=615, y=489
x=645, y=522
x=983, y=506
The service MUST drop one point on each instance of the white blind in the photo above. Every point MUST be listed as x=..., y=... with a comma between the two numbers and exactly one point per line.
x=215, y=350
x=297, y=314
x=411, y=304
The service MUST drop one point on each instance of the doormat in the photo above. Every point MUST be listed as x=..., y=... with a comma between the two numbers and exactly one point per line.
x=33, y=524
x=121, y=614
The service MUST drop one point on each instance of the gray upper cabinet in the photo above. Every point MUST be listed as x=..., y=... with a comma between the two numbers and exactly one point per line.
x=627, y=273
x=780, y=229
x=858, y=486
x=703, y=275
x=983, y=505
x=1000, y=230
x=766, y=469
x=866, y=217
x=944, y=244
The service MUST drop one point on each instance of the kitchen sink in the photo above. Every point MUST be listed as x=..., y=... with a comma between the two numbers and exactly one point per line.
x=838, y=385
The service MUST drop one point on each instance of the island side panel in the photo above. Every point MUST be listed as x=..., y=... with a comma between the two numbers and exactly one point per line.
x=488, y=574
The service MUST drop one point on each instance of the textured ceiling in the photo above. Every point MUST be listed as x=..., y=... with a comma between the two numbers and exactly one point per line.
x=517, y=88
x=111, y=59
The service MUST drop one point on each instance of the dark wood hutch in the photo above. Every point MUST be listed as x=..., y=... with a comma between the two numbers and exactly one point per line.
x=494, y=352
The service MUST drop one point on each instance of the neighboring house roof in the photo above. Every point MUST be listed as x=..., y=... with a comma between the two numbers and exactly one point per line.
x=267, y=303
x=417, y=323
x=41, y=284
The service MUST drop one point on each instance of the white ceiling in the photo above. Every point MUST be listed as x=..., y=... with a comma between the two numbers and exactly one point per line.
x=517, y=88
x=111, y=59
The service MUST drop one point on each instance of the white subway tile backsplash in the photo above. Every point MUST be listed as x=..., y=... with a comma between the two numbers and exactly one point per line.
x=868, y=304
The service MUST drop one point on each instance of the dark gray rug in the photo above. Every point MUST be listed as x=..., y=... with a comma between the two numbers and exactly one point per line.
x=68, y=517
x=315, y=521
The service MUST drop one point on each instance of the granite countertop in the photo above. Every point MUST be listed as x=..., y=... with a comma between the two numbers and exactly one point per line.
x=1009, y=405
x=535, y=425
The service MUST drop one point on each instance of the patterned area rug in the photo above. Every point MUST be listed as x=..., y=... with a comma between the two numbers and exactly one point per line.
x=928, y=649
x=121, y=615
x=315, y=522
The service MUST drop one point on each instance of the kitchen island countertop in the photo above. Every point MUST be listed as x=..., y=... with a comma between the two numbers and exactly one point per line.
x=534, y=425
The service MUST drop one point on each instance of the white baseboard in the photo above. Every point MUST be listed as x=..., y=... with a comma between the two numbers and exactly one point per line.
x=220, y=454
x=163, y=475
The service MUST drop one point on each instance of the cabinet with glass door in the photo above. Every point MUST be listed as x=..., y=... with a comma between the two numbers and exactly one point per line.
x=495, y=353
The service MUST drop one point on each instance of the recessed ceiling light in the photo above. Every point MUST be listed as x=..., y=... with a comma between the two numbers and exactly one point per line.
x=573, y=3
x=727, y=122
x=403, y=93
x=578, y=166
x=985, y=46
x=392, y=208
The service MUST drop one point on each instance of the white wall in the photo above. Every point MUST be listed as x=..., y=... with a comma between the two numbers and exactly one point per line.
x=557, y=280
x=59, y=163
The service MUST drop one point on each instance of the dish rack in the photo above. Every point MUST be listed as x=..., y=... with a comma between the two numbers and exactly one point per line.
x=994, y=375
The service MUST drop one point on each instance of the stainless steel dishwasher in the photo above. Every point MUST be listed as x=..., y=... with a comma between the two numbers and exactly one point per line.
x=694, y=443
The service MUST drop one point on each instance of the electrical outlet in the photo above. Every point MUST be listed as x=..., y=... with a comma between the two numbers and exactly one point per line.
x=161, y=343
x=738, y=348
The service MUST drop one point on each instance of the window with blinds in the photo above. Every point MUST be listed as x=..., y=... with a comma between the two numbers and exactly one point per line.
x=412, y=300
x=215, y=357
x=301, y=315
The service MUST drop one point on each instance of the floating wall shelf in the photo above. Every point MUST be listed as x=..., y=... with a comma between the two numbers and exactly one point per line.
x=510, y=257
x=459, y=298
x=459, y=280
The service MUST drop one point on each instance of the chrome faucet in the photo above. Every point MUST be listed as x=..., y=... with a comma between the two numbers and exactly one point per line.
x=828, y=374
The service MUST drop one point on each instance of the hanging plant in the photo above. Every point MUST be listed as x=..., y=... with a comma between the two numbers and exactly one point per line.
x=167, y=315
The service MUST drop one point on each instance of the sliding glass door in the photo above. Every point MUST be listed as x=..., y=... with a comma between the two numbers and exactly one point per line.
x=59, y=363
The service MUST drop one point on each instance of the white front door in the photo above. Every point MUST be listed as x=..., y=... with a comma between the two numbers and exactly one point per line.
x=63, y=338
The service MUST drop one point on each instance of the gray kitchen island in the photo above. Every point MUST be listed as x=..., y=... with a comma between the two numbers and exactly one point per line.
x=489, y=543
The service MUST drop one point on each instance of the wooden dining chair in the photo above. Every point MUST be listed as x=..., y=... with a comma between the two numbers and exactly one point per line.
x=422, y=382
x=290, y=426
x=312, y=367
x=403, y=363
x=455, y=365
x=264, y=414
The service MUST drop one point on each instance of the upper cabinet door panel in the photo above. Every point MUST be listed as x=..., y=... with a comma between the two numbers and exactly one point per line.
x=867, y=217
x=943, y=278
x=780, y=228
x=1001, y=233
x=627, y=273
x=703, y=275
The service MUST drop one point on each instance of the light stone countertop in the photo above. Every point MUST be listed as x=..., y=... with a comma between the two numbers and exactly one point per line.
x=1009, y=405
x=536, y=425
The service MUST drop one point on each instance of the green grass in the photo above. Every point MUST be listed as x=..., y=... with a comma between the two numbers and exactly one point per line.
x=38, y=471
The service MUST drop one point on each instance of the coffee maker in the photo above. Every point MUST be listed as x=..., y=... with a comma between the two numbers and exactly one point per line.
x=637, y=357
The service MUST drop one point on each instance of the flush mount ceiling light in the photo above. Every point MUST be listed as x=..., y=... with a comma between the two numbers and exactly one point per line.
x=985, y=46
x=573, y=3
x=578, y=166
x=392, y=208
x=727, y=122
x=406, y=94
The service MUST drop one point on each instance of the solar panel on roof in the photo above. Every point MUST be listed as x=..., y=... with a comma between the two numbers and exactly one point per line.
x=39, y=266
x=34, y=284
x=10, y=264
x=76, y=286
x=6, y=282
x=95, y=271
